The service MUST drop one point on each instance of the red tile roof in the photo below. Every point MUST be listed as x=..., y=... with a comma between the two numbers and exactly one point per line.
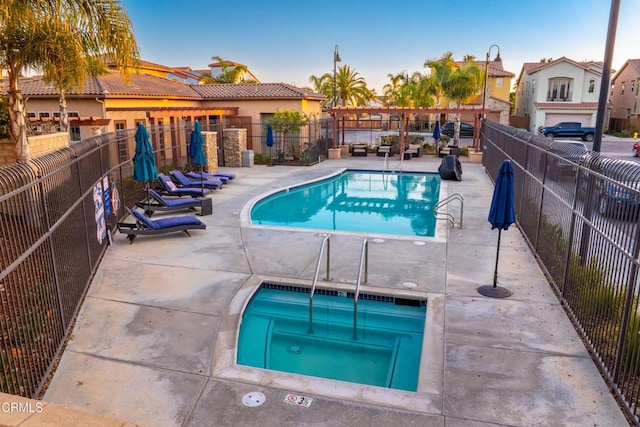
x=495, y=68
x=113, y=84
x=254, y=91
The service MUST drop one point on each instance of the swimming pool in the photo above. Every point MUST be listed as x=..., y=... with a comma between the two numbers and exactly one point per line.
x=358, y=201
x=385, y=351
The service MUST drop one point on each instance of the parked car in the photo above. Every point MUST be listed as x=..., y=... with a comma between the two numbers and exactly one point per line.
x=466, y=130
x=621, y=196
x=636, y=149
x=574, y=151
x=568, y=130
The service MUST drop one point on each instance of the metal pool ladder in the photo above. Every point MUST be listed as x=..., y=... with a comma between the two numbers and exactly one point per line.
x=364, y=262
x=447, y=216
x=325, y=242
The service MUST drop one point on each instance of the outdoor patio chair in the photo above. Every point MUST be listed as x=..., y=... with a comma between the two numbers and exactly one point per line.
x=208, y=175
x=157, y=203
x=169, y=188
x=149, y=227
x=185, y=181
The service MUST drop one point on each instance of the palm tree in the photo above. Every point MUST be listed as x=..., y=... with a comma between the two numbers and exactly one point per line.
x=456, y=83
x=441, y=70
x=324, y=86
x=351, y=89
x=391, y=91
x=60, y=38
x=230, y=73
x=463, y=84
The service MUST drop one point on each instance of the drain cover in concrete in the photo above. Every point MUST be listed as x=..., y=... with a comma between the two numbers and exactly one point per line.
x=419, y=243
x=378, y=240
x=255, y=398
x=409, y=284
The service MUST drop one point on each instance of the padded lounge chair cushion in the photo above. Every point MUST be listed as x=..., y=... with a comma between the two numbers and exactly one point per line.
x=183, y=180
x=208, y=175
x=172, y=189
x=174, y=203
x=205, y=176
x=162, y=223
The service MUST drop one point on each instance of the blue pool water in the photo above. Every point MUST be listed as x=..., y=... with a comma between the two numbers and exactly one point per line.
x=274, y=334
x=360, y=201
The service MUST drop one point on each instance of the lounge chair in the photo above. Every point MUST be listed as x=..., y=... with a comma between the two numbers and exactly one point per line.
x=184, y=181
x=208, y=175
x=157, y=203
x=169, y=188
x=149, y=227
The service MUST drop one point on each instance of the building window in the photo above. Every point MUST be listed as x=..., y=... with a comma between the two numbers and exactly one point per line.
x=635, y=106
x=121, y=138
x=44, y=114
x=592, y=85
x=622, y=88
x=633, y=84
x=499, y=82
x=613, y=85
x=533, y=86
x=74, y=134
x=559, y=89
x=31, y=115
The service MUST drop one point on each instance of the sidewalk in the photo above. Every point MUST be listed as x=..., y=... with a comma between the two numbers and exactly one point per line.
x=155, y=335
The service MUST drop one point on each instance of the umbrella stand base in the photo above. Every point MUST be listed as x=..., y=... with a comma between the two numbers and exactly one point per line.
x=494, y=291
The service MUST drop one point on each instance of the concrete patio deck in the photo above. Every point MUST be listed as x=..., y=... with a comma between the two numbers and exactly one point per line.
x=154, y=341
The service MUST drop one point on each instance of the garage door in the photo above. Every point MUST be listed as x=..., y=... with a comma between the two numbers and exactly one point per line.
x=554, y=119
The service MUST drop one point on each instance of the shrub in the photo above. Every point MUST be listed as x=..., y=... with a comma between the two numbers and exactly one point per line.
x=260, y=159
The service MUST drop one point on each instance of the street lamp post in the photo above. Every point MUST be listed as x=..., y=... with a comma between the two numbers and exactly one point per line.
x=486, y=72
x=336, y=58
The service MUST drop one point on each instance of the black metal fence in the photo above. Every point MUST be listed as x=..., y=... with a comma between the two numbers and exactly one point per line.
x=56, y=216
x=579, y=213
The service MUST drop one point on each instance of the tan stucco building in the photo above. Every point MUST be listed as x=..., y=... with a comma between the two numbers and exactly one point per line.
x=113, y=102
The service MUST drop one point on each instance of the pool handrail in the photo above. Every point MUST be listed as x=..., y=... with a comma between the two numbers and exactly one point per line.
x=448, y=216
x=325, y=242
x=364, y=262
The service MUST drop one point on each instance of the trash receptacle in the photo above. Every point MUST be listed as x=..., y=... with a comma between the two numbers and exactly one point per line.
x=247, y=158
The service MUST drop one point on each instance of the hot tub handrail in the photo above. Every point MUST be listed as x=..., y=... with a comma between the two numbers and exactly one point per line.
x=325, y=242
x=364, y=262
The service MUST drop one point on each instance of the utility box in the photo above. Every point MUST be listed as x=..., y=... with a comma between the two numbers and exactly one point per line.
x=206, y=206
x=247, y=158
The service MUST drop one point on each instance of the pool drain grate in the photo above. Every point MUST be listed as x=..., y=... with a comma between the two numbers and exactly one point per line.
x=255, y=398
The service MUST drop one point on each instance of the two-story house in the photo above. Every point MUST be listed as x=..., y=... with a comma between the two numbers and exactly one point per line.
x=624, y=96
x=557, y=91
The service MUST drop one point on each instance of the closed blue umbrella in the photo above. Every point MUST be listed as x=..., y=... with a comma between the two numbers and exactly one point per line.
x=269, y=141
x=501, y=215
x=144, y=162
x=196, y=149
x=436, y=137
x=436, y=131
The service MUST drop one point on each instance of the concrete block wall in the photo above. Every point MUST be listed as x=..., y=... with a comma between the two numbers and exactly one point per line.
x=211, y=150
x=235, y=143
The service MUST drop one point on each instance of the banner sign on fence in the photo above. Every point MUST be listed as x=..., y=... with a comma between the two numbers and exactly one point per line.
x=101, y=226
x=107, y=196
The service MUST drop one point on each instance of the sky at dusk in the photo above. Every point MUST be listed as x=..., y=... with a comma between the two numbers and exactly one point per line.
x=288, y=41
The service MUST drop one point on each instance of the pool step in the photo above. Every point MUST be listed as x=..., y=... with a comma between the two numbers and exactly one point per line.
x=339, y=310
